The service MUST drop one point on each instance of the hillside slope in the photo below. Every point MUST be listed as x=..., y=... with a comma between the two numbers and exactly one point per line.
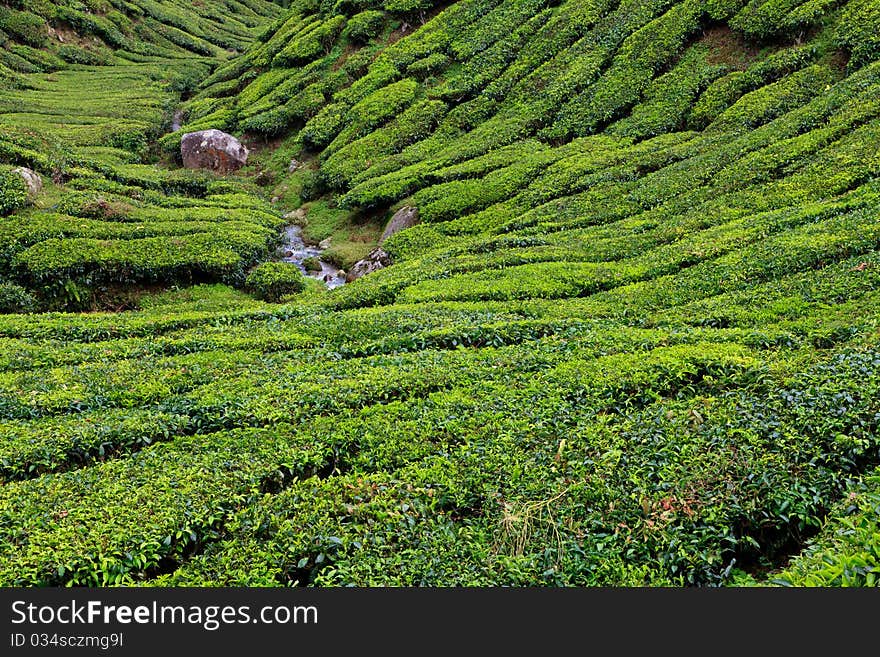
x=111, y=219
x=634, y=339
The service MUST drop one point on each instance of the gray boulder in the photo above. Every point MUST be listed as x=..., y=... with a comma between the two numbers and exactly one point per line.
x=296, y=216
x=377, y=259
x=404, y=218
x=213, y=150
x=32, y=181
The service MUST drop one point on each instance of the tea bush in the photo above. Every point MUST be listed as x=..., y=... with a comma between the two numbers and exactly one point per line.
x=13, y=191
x=273, y=280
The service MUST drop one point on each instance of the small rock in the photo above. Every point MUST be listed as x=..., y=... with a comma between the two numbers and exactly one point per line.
x=288, y=254
x=264, y=178
x=296, y=216
x=213, y=150
x=32, y=180
x=275, y=200
x=324, y=244
x=294, y=165
x=377, y=259
x=406, y=217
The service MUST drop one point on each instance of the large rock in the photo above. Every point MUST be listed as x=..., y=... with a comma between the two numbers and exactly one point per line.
x=213, y=150
x=297, y=216
x=379, y=258
x=32, y=180
x=406, y=217
x=375, y=260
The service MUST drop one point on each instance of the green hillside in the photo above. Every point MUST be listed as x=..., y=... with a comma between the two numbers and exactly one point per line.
x=634, y=339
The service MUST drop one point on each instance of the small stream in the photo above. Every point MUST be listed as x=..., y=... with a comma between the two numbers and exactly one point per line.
x=294, y=249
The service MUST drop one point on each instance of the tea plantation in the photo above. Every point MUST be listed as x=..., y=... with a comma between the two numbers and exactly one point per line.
x=633, y=340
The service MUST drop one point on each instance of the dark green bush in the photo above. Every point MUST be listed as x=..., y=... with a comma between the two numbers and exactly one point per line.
x=93, y=55
x=13, y=191
x=406, y=6
x=17, y=63
x=312, y=264
x=429, y=65
x=45, y=60
x=24, y=26
x=273, y=280
x=859, y=31
x=847, y=551
x=16, y=299
x=313, y=43
x=312, y=185
x=363, y=27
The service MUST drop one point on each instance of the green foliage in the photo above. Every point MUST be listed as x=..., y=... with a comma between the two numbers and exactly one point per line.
x=781, y=18
x=312, y=264
x=412, y=242
x=759, y=106
x=365, y=26
x=273, y=280
x=725, y=91
x=858, y=32
x=403, y=6
x=311, y=185
x=43, y=60
x=16, y=299
x=413, y=124
x=847, y=551
x=24, y=26
x=13, y=191
x=310, y=43
x=670, y=98
x=91, y=56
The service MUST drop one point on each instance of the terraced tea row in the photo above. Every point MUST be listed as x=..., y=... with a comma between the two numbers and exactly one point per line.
x=39, y=36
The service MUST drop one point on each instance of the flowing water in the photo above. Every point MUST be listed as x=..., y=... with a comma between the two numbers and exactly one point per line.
x=294, y=249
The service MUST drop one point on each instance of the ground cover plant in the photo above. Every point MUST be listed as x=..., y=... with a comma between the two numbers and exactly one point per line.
x=632, y=340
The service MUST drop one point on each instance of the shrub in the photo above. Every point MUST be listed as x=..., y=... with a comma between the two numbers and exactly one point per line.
x=311, y=185
x=273, y=280
x=365, y=26
x=412, y=242
x=429, y=65
x=847, y=551
x=768, y=102
x=18, y=63
x=405, y=6
x=859, y=31
x=312, y=264
x=725, y=91
x=13, y=191
x=46, y=60
x=16, y=299
x=92, y=56
x=24, y=26
x=311, y=44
